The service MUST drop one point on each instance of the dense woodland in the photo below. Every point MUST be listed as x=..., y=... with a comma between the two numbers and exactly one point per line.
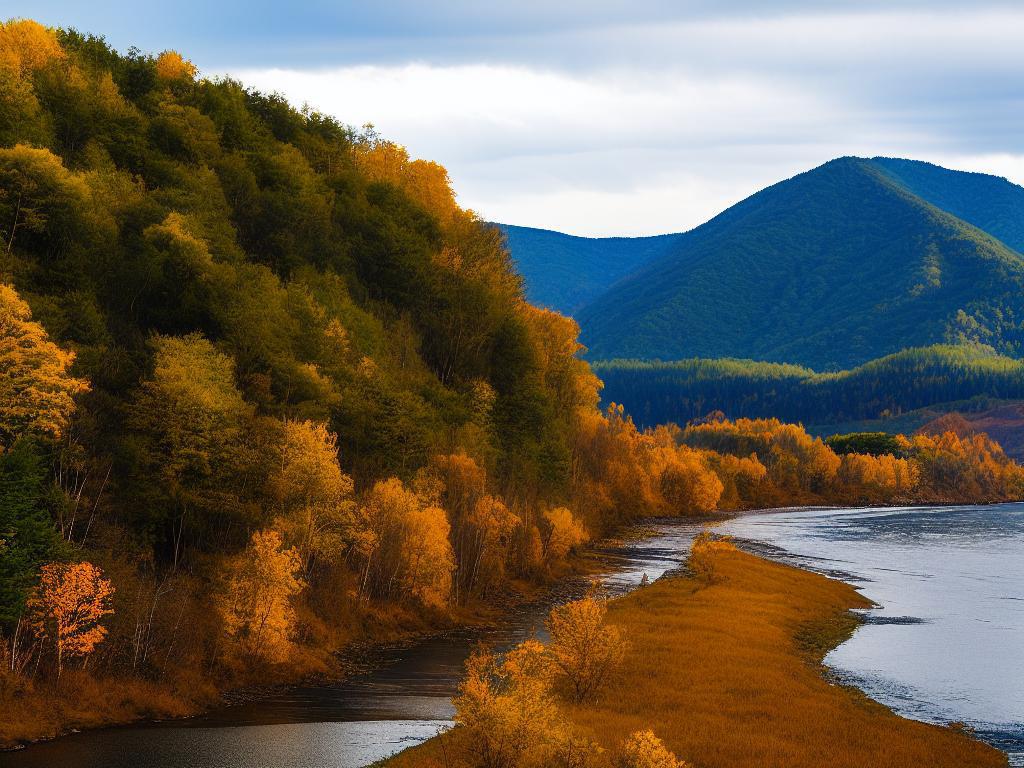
x=267, y=390
x=656, y=392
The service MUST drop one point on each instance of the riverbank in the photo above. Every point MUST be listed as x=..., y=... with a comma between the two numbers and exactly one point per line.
x=730, y=674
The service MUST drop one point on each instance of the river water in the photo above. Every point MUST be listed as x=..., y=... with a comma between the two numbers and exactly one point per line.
x=947, y=640
x=405, y=700
x=944, y=645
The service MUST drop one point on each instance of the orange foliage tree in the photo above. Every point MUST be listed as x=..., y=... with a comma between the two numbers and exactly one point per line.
x=256, y=603
x=584, y=647
x=645, y=750
x=405, y=545
x=67, y=606
x=508, y=709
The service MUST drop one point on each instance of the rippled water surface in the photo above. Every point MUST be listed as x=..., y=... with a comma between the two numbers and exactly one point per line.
x=406, y=700
x=947, y=640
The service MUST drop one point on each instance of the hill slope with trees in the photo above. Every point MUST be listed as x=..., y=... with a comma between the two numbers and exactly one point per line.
x=565, y=272
x=829, y=269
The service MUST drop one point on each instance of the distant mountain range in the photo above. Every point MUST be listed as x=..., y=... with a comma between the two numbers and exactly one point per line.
x=850, y=261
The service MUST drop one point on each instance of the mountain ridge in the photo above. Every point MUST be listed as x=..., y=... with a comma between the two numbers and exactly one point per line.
x=830, y=268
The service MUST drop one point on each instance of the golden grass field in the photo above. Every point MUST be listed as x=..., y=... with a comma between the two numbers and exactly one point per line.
x=729, y=675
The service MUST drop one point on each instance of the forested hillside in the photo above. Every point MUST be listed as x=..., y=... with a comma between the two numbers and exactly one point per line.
x=266, y=391
x=659, y=392
x=848, y=262
x=565, y=273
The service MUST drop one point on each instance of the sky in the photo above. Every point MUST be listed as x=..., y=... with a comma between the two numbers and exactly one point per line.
x=616, y=118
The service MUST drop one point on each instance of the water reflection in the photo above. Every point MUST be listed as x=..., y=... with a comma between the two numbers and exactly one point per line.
x=405, y=700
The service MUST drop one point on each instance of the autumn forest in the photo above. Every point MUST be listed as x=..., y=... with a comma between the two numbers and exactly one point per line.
x=268, y=392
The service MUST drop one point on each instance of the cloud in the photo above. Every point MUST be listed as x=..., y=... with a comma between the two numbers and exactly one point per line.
x=621, y=116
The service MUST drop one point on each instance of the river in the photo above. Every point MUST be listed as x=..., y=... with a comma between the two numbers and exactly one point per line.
x=944, y=645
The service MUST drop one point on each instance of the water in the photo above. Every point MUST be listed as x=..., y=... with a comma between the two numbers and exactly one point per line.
x=405, y=700
x=946, y=642
x=944, y=645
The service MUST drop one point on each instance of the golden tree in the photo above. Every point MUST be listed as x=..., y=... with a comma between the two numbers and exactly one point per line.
x=565, y=533
x=507, y=707
x=645, y=750
x=28, y=45
x=171, y=67
x=584, y=647
x=405, y=544
x=67, y=606
x=311, y=492
x=256, y=604
x=36, y=391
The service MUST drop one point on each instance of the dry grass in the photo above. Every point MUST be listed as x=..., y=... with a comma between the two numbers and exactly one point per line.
x=729, y=675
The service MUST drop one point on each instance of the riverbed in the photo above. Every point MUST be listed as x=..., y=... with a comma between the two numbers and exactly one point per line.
x=406, y=699
x=944, y=644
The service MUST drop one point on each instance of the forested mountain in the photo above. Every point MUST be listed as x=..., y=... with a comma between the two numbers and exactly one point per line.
x=656, y=392
x=990, y=203
x=565, y=272
x=829, y=269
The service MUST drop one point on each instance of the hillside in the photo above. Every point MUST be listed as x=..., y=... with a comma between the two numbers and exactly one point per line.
x=834, y=267
x=565, y=273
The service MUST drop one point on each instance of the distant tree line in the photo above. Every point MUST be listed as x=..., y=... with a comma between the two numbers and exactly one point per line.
x=655, y=392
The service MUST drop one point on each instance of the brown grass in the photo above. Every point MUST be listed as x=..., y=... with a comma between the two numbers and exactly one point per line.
x=729, y=674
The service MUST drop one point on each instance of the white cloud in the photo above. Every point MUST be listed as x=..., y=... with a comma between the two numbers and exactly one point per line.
x=653, y=128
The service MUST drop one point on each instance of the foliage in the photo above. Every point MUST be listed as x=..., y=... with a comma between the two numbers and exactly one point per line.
x=67, y=606
x=584, y=647
x=257, y=601
x=36, y=390
x=645, y=750
x=507, y=707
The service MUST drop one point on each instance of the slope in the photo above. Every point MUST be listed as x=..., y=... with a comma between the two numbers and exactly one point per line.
x=565, y=272
x=831, y=268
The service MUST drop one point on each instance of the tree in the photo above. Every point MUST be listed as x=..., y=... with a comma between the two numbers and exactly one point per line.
x=507, y=707
x=25, y=526
x=311, y=493
x=191, y=418
x=256, y=603
x=406, y=546
x=645, y=750
x=67, y=606
x=584, y=646
x=41, y=199
x=36, y=391
x=565, y=533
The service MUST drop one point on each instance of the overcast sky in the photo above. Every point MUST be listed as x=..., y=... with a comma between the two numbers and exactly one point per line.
x=625, y=118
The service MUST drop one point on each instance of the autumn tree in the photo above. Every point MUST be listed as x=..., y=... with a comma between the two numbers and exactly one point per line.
x=584, y=646
x=312, y=495
x=405, y=545
x=508, y=710
x=645, y=750
x=704, y=550
x=192, y=418
x=565, y=532
x=67, y=606
x=256, y=603
x=36, y=390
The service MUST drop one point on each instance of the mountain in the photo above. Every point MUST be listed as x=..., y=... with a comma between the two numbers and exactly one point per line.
x=565, y=272
x=848, y=262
